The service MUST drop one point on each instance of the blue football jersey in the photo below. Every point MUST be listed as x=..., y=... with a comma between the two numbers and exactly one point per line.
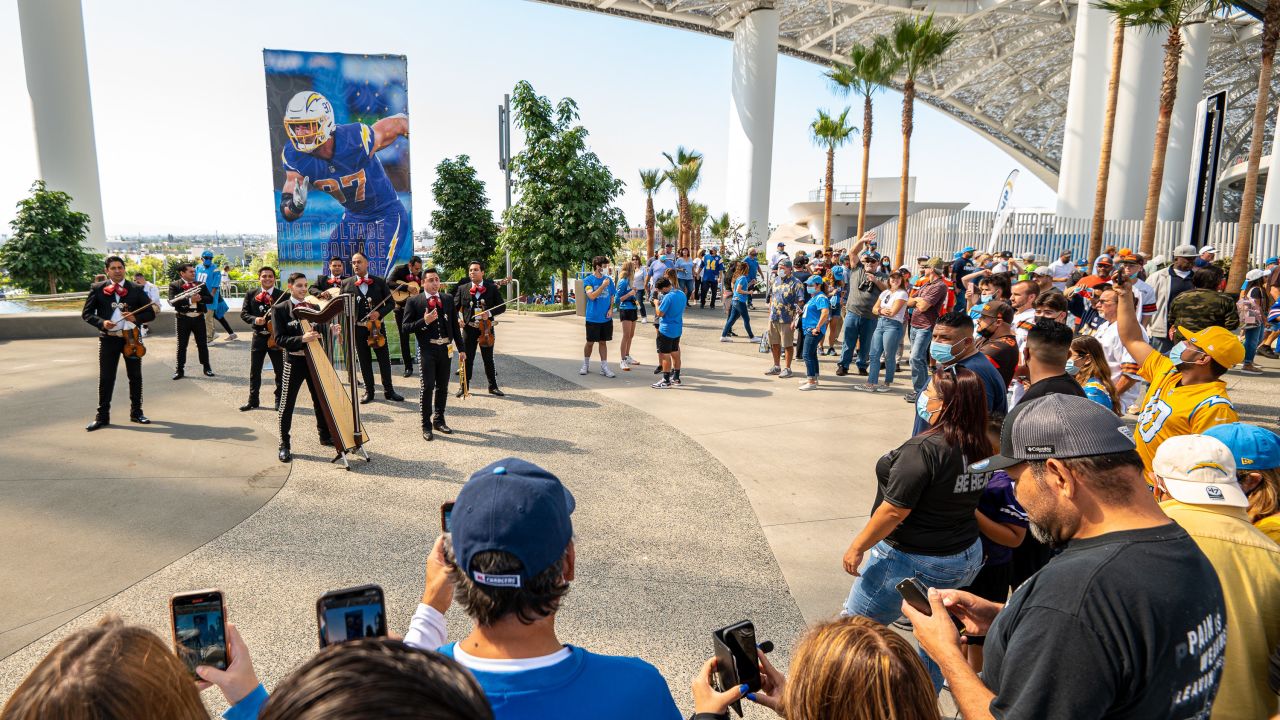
x=354, y=175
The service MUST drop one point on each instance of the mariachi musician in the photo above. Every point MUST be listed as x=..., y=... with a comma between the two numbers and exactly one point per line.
x=432, y=317
x=289, y=336
x=256, y=311
x=332, y=280
x=372, y=299
x=478, y=299
x=105, y=308
x=189, y=316
x=406, y=278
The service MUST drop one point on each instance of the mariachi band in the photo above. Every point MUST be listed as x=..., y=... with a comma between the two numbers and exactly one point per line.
x=286, y=321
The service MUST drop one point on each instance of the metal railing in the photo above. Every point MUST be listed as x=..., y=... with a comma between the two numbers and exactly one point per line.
x=839, y=193
x=940, y=232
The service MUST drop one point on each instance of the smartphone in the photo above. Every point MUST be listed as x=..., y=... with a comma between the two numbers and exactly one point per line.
x=199, y=622
x=737, y=662
x=351, y=613
x=916, y=595
x=446, y=517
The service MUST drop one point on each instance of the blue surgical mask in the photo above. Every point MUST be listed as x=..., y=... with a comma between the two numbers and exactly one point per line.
x=986, y=298
x=942, y=352
x=922, y=408
x=1071, y=368
x=1175, y=353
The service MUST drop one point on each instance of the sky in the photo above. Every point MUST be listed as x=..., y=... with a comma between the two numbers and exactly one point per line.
x=180, y=107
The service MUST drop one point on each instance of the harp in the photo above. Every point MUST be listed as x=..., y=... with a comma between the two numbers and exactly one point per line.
x=339, y=408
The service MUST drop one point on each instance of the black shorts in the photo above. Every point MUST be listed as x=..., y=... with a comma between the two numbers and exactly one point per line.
x=992, y=582
x=627, y=315
x=668, y=344
x=599, y=331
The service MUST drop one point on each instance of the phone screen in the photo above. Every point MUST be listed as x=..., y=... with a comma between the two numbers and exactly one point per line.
x=350, y=614
x=199, y=629
x=446, y=517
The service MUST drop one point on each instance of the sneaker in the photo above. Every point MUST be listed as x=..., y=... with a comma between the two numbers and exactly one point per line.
x=809, y=386
x=634, y=361
x=883, y=388
x=661, y=385
x=863, y=371
x=775, y=370
x=755, y=340
x=676, y=381
x=1250, y=369
x=657, y=370
x=586, y=368
x=644, y=321
x=865, y=387
x=902, y=623
x=841, y=371
x=1268, y=351
x=231, y=337
x=725, y=338
x=605, y=371
x=911, y=397
x=624, y=365
x=786, y=373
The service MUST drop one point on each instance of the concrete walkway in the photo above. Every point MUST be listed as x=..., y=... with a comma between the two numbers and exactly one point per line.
x=85, y=515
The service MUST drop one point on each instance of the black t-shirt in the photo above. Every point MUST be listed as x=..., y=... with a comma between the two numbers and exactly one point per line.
x=1061, y=384
x=927, y=476
x=1126, y=625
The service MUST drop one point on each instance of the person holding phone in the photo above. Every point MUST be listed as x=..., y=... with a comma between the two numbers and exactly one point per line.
x=813, y=324
x=923, y=522
x=292, y=339
x=629, y=305
x=600, y=291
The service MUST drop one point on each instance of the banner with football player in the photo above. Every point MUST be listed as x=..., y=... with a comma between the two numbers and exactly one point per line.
x=340, y=158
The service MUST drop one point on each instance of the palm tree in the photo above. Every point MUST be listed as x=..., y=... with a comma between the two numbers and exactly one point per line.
x=1240, y=260
x=1108, y=131
x=914, y=46
x=650, y=181
x=669, y=224
x=697, y=220
x=1160, y=16
x=869, y=69
x=720, y=228
x=686, y=167
x=831, y=132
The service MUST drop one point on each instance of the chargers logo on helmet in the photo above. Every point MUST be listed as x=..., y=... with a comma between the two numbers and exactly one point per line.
x=308, y=120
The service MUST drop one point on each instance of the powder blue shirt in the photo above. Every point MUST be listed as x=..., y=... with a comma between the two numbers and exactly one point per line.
x=624, y=287
x=684, y=269
x=740, y=289
x=597, y=309
x=672, y=307
x=813, y=311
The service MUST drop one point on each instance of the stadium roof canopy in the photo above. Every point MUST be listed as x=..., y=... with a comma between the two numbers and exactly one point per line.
x=1007, y=77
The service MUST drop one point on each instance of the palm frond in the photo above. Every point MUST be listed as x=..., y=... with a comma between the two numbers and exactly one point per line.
x=651, y=180
x=831, y=131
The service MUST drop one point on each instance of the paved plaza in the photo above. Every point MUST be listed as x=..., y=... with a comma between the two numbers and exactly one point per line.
x=732, y=497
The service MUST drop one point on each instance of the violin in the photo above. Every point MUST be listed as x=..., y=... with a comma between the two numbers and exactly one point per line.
x=133, y=346
x=377, y=339
x=485, y=326
x=271, y=336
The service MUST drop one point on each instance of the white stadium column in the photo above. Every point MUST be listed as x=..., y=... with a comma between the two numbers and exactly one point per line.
x=1270, y=214
x=1182, y=126
x=1082, y=135
x=1136, y=111
x=57, y=72
x=751, y=101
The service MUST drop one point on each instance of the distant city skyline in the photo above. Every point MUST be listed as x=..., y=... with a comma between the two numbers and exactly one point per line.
x=180, y=116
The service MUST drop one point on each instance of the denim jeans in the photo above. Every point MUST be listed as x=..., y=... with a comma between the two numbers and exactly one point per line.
x=920, y=339
x=737, y=309
x=875, y=595
x=811, y=343
x=884, y=346
x=686, y=286
x=857, y=330
x=1252, y=338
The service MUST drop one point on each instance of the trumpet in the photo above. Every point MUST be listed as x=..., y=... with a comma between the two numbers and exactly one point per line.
x=186, y=293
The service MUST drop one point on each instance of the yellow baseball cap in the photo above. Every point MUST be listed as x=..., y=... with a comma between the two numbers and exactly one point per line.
x=1218, y=343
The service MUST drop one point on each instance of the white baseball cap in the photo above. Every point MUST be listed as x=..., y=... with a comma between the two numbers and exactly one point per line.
x=1185, y=251
x=1253, y=274
x=1209, y=249
x=1043, y=270
x=1199, y=470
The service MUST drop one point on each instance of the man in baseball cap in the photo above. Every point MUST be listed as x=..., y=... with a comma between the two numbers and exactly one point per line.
x=1256, y=451
x=509, y=560
x=1077, y=475
x=1207, y=254
x=1186, y=394
x=1197, y=476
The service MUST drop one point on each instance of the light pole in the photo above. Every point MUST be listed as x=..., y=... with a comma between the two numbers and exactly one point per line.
x=504, y=164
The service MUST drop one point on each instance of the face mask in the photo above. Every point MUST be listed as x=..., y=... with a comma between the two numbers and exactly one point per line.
x=922, y=408
x=942, y=352
x=1175, y=354
x=1071, y=368
x=986, y=298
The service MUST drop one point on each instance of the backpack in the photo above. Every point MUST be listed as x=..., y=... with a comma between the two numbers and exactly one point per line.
x=1248, y=310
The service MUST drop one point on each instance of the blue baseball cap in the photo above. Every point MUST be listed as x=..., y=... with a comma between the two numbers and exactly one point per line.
x=968, y=248
x=814, y=280
x=516, y=507
x=958, y=254
x=207, y=254
x=1272, y=260
x=1253, y=447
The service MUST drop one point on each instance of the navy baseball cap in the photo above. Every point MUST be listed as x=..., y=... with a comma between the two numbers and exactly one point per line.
x=515, y=507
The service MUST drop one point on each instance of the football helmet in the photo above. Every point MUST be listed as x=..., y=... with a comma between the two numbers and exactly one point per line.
x=308, y=120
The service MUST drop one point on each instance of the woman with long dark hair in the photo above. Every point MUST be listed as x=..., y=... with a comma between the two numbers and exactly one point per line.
x=922, y=522
x=736, y=295
x=1088, y=365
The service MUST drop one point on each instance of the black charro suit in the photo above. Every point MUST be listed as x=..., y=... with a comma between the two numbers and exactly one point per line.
x=189, y=319
x=433, y=349
x=99, y=307
x=288, y=333
x=258, y=305
x=469, y=303
x=368, y=294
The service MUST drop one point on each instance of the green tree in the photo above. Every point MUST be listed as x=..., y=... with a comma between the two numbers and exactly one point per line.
x=564, y=215
x=45, y=251
x=869, y=70
x=650, y=181
x=669, y=225
x=720, y=229
x=684, y=175
x=464, y=225
x=151, y=267
x=171, y=265
x=698, y=214
x=269, y=259
x=830, y=132
x=1160, y=16
x=914, y=46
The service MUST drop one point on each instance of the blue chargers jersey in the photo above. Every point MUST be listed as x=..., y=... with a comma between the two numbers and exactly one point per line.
x=354, y=175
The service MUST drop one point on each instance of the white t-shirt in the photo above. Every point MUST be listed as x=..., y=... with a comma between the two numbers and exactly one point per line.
x=1061, y=272
x=886, y=302
x=1146, y=298
x=1117, y=355
x=427, y=631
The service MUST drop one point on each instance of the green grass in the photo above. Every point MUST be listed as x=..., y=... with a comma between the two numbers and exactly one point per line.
x=546, y=308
